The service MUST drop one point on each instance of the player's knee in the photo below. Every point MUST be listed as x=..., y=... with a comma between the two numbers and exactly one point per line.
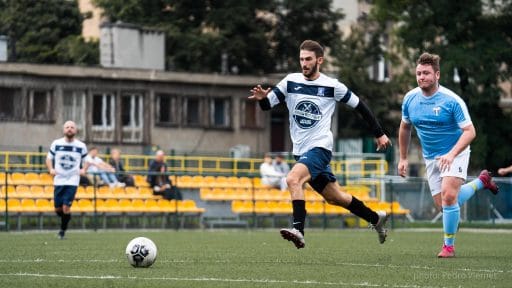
x=292, y=180
x=449, y=198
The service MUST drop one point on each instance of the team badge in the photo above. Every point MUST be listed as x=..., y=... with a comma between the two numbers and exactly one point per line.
x=306, y=114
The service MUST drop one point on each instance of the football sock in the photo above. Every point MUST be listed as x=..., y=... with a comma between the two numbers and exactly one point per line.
x=451, y=217
x=359, y=209
x=59, y=213
x=65, y=221
x=468, y=190
x=299, y=214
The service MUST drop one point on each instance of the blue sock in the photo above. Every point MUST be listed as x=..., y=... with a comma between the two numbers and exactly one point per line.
x=468, y=190
x=451, y=217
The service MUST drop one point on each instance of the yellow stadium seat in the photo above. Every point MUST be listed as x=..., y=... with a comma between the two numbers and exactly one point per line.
x=137, y=205
x=168, y=206
x=205, y=194
x=197, y=181
x=2, y=178
x=10, y=190
x=131, y=192
x=396, y=208
x=284, y=207
x=104, y=192
x=118, y=192
x=18, y=178
x=222, y=181
x=125, y=205
x=32, y=179
x=84, y=206
x=264, y=207
x=22, y=191
x=242, y=207
x=145, y=192
x=46, y=179
x=189, y=206
x=185, y=181
x=335, y=210
x=2, y=204
x=315, y=207
x=140, y=180
x=243, y=194
x=151, y=206
x=28, y=205
x=44, y=205
x=244, y=182
x=112, y=205
x=14, y=205
x=37, y=191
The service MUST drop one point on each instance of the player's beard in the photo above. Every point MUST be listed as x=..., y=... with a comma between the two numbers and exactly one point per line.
x=429, y=89
x=70, y=135
x=310, y=72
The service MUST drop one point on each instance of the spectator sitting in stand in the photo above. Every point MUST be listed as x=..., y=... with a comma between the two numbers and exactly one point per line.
x=100, y=172
x=269, y=175
x=159, y=180
x=117, y=163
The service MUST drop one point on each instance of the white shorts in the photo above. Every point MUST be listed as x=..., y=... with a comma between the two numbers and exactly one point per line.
x=459, y=169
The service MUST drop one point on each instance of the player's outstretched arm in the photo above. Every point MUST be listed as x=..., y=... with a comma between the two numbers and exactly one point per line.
x=382, y=139
x=258, y=93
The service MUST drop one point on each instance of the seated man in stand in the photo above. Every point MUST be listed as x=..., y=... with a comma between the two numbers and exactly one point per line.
x=159, y=179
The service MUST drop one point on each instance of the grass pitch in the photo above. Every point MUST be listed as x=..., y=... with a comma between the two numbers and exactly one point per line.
x=241, y=258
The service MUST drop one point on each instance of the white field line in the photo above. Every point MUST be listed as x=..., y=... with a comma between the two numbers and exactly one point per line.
x=415, y=267
x=210, y=279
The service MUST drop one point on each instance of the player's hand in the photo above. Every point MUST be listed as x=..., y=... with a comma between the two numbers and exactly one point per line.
x=444, y=162
x=258, y=93
x=502, y=171
x=82, y=172
x=403, y=164
x=383, y=143
x=52, y=172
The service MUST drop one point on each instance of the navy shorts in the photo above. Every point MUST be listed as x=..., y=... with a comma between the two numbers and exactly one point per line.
x=64, y=195
x=317, y=160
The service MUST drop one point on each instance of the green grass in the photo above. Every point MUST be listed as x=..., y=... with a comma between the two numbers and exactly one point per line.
x=240, y=258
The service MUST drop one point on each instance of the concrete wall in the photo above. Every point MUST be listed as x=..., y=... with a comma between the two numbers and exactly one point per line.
x=24, y=134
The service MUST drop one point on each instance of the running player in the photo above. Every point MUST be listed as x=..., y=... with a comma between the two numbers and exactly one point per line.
x=64, y=161
x=311, y=97
x=445, y=130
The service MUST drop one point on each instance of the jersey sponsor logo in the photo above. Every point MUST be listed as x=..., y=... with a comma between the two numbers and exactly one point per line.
x=307, y=114
x=67, y=162
x=297, y=88
x=321, y=91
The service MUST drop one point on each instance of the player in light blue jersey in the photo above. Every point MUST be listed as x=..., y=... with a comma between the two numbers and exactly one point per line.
x=445, y=130
x=311, y=98
x=64, y=162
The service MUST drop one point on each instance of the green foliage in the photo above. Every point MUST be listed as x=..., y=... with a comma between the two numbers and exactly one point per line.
x=357, y=52
x=474, y=39
x=37, y=30
x=299, y=20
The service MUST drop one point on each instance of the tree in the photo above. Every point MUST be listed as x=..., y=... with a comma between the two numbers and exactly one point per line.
x=299, y=20
x=37, y=31
x=204, y=36
x=356, y=54
x=473, y=39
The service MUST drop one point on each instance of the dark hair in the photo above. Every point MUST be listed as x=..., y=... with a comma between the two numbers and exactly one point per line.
x=429, y=59
x=313, y=46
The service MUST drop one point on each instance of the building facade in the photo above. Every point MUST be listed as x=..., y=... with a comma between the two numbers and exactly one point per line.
x=133, y=109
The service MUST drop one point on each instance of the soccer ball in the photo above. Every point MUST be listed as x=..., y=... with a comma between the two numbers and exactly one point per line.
x=141, y=252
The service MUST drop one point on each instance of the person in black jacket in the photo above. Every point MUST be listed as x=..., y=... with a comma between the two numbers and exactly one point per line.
x=117, y=163
x=159, y=179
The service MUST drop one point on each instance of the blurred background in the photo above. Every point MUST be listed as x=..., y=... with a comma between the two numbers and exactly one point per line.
x=175, y=75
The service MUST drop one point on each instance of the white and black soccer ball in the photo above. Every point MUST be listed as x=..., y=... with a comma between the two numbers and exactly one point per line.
x=141, y=252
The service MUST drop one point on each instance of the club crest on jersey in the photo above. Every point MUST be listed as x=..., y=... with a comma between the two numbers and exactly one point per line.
x=67, y=162
x=436, y=110
x=306, y=114
x=321, y=91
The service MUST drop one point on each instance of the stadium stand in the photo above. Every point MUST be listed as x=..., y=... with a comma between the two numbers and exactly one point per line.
x=30, y=194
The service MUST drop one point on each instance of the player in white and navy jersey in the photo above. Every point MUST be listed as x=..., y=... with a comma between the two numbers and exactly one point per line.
x=311, y=98
x=64, y=162
x=445, y=130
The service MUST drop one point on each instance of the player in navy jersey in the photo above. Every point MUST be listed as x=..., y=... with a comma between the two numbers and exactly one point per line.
x=64, y=162
x=311, y=97
x=445, y=130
